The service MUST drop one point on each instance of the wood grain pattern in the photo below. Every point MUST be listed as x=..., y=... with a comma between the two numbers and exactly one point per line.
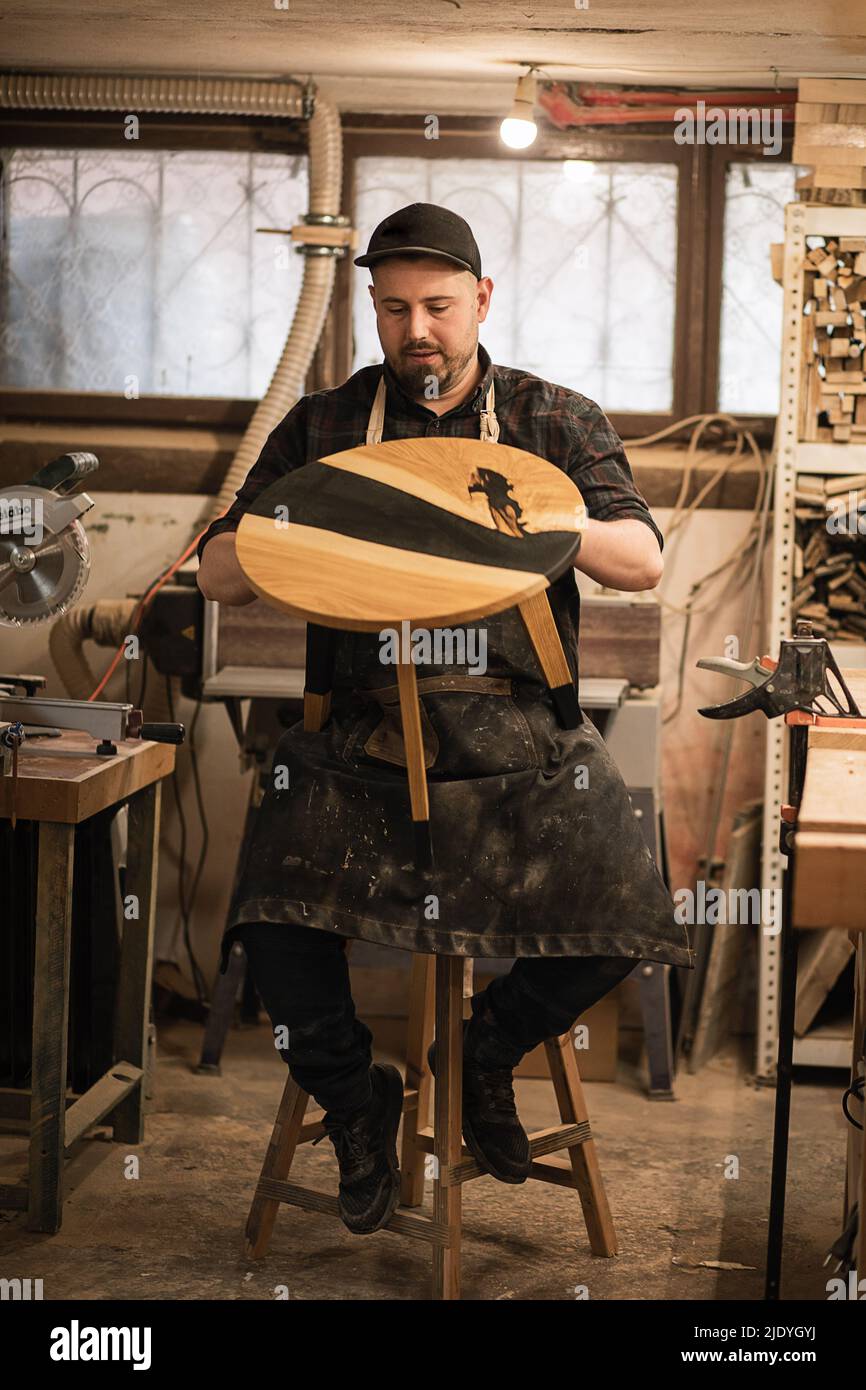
x=70, y=790
x=829, y=873
x=834, y=793
x=585, y=1169
x=544, y=636
x=420, y=1029
x=363, y=586
x=423, y=469
x=830, y=859
x=278, y=1160
x=413, y=740
x=429, y=530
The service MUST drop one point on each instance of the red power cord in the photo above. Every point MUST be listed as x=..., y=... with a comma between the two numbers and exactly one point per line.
x=141, y=606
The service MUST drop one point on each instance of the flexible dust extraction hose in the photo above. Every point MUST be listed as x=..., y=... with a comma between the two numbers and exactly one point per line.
x=106, y=621
x=287, y=383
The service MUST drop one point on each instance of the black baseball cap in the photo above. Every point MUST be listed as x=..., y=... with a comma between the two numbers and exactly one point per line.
x=424, y=229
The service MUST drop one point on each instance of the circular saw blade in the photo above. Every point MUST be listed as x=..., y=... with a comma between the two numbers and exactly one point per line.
x=51, y=584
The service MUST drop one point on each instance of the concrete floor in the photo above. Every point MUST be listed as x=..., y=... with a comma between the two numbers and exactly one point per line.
x=175, y=1232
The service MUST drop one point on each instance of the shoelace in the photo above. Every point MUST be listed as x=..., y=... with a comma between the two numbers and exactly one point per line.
x=499, y=1087
x=346, y=1143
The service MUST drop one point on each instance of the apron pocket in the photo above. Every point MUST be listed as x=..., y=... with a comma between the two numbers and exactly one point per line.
x=386, y=740
x=479, y=735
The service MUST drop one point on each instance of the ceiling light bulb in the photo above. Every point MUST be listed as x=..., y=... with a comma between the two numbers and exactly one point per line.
x=518, y=130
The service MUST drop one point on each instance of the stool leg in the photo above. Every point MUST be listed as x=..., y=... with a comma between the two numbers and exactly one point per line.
x=278, y=1161
x=418, y=1077
x=319, y=676
x=413, y=742
x=544, y=636
x=448, y=1124
x=583, y=1157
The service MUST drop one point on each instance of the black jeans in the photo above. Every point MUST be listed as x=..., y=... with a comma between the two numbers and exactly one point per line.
x=302, y=976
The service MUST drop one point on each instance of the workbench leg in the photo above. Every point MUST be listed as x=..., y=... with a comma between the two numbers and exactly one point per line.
x=136, y=955
x=50, y=1025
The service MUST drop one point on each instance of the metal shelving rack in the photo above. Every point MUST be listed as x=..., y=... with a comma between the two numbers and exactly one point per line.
x=793, y=457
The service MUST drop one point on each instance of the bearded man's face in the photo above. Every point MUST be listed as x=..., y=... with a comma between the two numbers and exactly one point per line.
x=427, y=313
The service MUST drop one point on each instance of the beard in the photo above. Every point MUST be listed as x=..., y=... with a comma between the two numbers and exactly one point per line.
x=417, y=378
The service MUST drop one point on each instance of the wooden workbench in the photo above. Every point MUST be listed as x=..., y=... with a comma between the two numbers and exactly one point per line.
x=59, y=793
x=830, y=886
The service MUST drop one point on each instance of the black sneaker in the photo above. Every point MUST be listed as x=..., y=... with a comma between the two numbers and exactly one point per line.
x=365, y=1142
x=493, y=1133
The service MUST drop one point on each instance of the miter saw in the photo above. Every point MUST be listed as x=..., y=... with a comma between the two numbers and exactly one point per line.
x=44, y=553
x=44, y=566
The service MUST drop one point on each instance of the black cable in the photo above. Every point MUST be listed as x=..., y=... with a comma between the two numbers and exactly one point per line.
x=855, y=1089
x=197, y=976
x=202, y=814
x=139, y=704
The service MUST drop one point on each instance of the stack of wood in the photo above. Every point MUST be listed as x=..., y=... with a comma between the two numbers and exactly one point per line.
x=830, y=555
x=830, y=135
x=833, y=398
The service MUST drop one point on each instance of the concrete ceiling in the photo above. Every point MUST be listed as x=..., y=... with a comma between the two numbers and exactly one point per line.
x=445, y=56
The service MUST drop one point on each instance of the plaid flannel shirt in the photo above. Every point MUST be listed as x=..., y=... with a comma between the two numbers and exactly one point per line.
x=551, y=421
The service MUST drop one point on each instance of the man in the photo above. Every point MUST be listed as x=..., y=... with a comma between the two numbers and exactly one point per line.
x=538, y=853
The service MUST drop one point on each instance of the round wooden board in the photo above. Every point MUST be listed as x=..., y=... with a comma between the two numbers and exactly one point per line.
x=429, y=530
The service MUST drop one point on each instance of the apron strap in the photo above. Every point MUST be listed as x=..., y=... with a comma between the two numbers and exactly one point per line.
x=489, y=422
x=376, y=422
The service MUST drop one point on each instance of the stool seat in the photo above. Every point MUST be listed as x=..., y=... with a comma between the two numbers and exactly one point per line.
x=437, y=1152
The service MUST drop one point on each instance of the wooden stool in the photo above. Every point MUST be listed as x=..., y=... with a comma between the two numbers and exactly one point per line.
x=453, y=1164
x=421, y=532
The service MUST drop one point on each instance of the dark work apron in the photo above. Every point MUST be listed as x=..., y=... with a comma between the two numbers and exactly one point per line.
x=537, y=850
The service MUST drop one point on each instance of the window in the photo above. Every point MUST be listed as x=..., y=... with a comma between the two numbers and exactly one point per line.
x=751, y=327
x=142, y=273
x=583, y=259
x=627, y=267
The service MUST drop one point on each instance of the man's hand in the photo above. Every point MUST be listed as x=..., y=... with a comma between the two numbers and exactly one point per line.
x=620, y=554
x=220, y=577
